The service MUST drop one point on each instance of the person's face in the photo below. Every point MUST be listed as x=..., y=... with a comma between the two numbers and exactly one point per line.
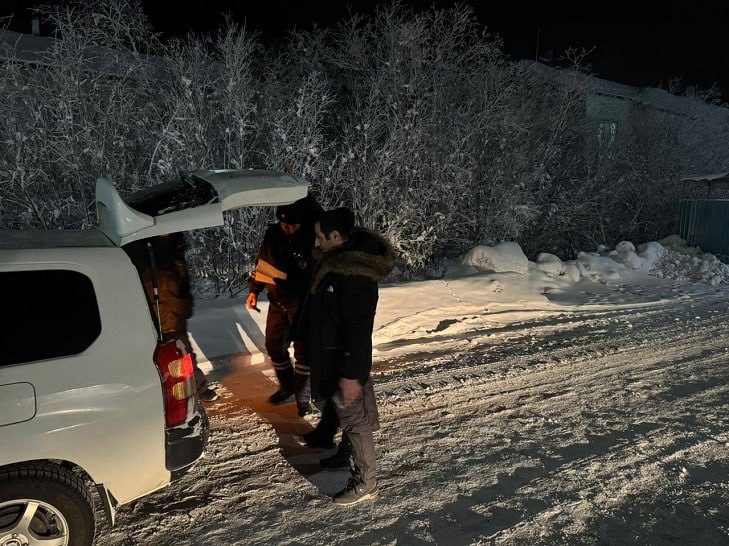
x=289, y=229
x=322, y=242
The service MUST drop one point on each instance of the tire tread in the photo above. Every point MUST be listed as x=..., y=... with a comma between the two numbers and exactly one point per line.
x=44, y=472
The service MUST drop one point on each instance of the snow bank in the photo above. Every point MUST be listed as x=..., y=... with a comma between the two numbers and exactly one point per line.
x=686, y=263
x=624, y=253
x=550, y=264
x=652, y=253
x=500, y=258
x=598, y=268
x=668, y=258
x=671, y=258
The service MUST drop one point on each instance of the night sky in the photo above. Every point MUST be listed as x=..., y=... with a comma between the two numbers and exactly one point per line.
x=637, y=43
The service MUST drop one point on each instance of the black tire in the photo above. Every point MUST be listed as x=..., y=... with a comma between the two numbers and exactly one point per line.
x=65, y=507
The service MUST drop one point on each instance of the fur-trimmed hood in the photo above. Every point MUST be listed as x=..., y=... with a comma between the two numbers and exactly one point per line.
x=367, y=254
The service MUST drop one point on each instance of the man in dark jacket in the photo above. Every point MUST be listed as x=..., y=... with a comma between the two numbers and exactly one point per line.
x=161, y=264
x=284, y=269
x=342, y=302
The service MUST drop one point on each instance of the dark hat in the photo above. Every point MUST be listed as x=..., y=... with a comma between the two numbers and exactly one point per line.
x=289, y=214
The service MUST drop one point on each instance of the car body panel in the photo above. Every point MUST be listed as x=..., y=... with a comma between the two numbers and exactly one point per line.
x=104, y=404
x=17, y=403
x=231, y=189
x=248, y=188
x=17, y=239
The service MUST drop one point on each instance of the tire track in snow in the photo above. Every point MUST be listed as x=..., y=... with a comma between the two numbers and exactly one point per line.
x=620, y=436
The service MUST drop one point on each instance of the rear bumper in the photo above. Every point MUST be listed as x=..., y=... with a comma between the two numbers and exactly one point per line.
x=185, y=444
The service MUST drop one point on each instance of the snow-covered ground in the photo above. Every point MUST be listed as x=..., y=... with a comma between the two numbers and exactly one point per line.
x=582, y=402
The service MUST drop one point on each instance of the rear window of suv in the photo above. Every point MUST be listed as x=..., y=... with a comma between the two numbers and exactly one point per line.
x=188, y=192
x=47, y=314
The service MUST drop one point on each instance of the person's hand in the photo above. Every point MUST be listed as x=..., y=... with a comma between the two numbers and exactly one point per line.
x=252, y=302
x=351, y=390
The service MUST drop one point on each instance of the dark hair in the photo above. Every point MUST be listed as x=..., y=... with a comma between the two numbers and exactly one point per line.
x=340, y=219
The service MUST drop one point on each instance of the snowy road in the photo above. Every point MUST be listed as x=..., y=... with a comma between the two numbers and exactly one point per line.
x=603, y=424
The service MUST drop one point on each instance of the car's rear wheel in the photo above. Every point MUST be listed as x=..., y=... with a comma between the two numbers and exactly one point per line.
x=44, y=505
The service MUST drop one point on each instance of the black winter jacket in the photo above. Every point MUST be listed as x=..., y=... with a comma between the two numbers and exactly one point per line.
x=340, y=310
x=292, y=255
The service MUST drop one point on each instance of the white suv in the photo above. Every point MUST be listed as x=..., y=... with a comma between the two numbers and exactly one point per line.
x=89, y=398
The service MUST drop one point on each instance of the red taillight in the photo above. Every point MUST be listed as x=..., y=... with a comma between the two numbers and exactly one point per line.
x=175, y=366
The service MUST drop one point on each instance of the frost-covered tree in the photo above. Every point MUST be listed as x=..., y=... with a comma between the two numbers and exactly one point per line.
x=411, y=109
x=79, y=114
x=416, y=120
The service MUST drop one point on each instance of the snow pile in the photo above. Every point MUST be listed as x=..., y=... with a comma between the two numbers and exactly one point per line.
x=690, y=264
x=549, y=264
x=498, y=259
x=597, y=268
x=552, y=266
x=508, y=257
x=668, y=258
x=652, y=252
x=625, y=254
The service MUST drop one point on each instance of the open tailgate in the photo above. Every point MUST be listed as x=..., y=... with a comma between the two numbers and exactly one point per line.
x=196, y=200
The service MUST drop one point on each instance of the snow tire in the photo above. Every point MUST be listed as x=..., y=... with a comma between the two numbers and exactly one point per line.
x=58, y=500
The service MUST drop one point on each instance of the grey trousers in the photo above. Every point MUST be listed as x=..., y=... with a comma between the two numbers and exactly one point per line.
x=357, y=420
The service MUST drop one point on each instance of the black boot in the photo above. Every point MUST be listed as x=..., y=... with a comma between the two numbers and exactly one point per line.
x=285, y=375
x=316, y=440
x=302, y=390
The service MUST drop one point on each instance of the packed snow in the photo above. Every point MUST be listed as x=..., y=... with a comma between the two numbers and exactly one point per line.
x=546, y=402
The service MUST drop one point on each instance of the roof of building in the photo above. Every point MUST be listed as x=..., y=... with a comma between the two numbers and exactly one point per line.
x=32, y=49
x=650, y=96
x=28, y=48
